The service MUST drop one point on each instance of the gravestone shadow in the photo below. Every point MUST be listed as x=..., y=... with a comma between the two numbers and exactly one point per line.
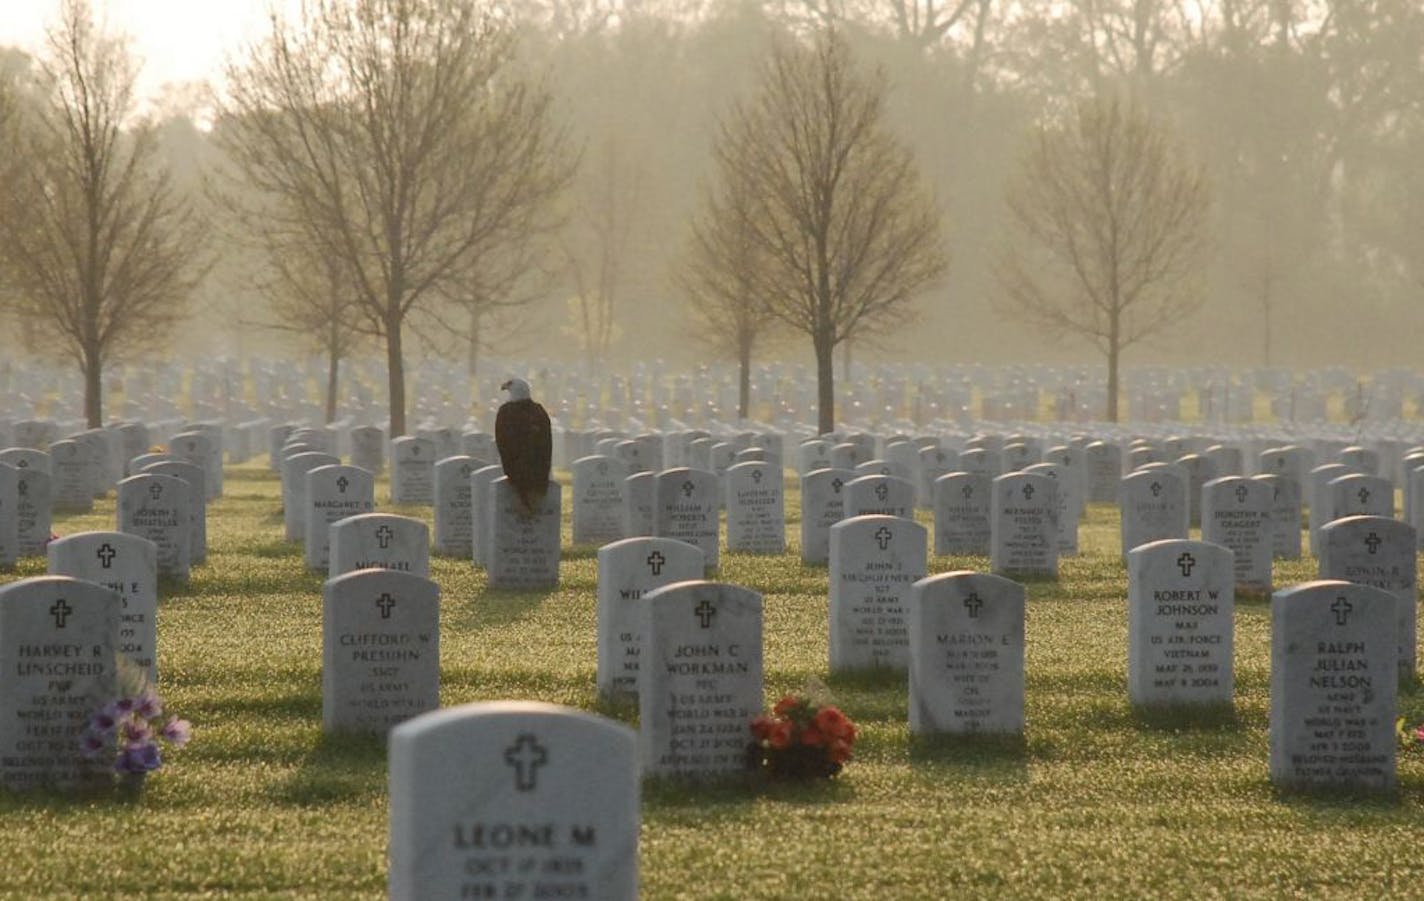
x=339, y=768
x=998, y=757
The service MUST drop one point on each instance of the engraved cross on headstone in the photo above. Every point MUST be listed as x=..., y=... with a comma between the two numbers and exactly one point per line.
x=1241, y=492
x=155, y=491
x=60, y=611
x=757, y=476
x=1156, y=489
x=1342, y=609
x=106, y=555
x=882, y=491
x=655, y=562
x=967, y=491
x=384, y=536
x=972, y=603
x=705, y=611
x=342, y=483
x=687, y=488
x=1364, y=495
x=1373, y=541
x=1186, y=562
x=837, y=484
x=883, y=536
x=385, y=602
x=526, y=755
x=1028, y=492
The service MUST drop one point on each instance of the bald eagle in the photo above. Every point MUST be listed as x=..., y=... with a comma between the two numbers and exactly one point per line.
x=525, y=443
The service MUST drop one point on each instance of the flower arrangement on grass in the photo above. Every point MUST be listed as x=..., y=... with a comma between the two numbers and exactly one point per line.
x=804, y=737
x=129, y=731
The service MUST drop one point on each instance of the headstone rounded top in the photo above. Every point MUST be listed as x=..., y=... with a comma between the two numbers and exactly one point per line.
x=458, y=715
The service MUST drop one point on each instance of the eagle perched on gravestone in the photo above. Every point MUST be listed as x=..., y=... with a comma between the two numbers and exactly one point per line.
x=525, y=443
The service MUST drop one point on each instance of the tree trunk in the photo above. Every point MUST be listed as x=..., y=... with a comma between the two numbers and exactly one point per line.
x=744, y=380
x=93, y=388
x=395, y=376
x=825, y=383
x=1114, y=352
x=472, y=353
x=333, y=369
x=845, y=361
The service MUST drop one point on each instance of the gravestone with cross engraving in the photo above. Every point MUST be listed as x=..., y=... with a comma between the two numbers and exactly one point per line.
x=1378, y=551
x=454, y=507
x=57, y=638
x=26, y=459
x=1334, y=677
x=879, y=495
x=368, y=448
x=1285, y=515
x=933, y=462
x=598, y=499
x=966, y=673
x=380, y=650
x=481, y=498
x=71, y=477
x=1070, y=504
x=1023, y=525
x=380, y=541
x=513, y=799
x=1180, y=603
x=1321, y=498
x=1198, y=470
x=1103, y=460
x=822, y=506
x=961, y=514
x=157, y=508
x=813, y=454
x=686, y=507
x=628, y=570
x=1236, y=514
x=33, y=517
x=9, y=502
x=294, y=489
x=128, y=565
x=1290, y=460
x=524, y=548
x=332, y=494
x=413, y=471
x=1360, y=495
x=983, y=461
x=1153, y=507
x=874, y=561
x=756, y=515
x=202, y=446
x=639, y=501
x=196, y=479
x=700, y=682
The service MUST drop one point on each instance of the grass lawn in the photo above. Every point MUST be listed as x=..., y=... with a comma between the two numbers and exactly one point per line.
x=1096, y=801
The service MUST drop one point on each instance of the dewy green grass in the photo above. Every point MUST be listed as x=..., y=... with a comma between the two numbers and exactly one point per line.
x=1096, y=800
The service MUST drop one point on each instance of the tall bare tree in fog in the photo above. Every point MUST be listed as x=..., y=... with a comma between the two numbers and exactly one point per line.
x=403, y=139
x=850, y=234
x=721, y=276
x=1109, y=222
x=100, y=249
x=310, y=294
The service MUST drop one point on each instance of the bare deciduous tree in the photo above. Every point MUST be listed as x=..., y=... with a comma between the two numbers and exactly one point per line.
x=403, y=140
x=310, y=295
x=720, y=275
x=100, y=248
x=851, y=235
x=1110, y=231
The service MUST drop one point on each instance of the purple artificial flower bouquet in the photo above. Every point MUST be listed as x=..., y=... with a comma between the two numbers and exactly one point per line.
x=130, y=731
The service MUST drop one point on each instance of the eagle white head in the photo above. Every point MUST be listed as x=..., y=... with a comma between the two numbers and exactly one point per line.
x=518, y=389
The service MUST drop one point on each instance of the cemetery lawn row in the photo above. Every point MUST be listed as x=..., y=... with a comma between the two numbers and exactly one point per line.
x=1098, y=800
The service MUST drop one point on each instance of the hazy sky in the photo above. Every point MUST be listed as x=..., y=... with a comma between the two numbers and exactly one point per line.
x=177, y=40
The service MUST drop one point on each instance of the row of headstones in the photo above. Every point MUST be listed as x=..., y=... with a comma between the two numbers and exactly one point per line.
x=466, y=783
x=327, y=506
